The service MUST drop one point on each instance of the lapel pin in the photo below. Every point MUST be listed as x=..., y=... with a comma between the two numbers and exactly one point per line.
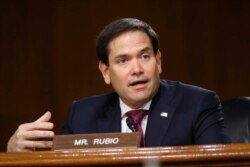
x=164, y=114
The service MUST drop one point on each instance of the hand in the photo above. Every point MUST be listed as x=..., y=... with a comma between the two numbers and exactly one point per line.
x=30, y=136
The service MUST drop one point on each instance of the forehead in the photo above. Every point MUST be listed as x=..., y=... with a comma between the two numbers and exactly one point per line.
x=129, y=41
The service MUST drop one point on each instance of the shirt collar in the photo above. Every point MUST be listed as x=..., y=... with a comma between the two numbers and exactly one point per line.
x=125, y=108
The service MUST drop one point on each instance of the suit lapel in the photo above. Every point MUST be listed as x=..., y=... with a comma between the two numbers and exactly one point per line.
x=160, y=116
x=109, y=119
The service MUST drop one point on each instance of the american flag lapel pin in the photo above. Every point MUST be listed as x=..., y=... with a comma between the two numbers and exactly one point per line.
x=164, y=114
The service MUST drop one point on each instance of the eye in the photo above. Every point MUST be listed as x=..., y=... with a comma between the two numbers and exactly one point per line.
x=122, y=61
x=145, y=57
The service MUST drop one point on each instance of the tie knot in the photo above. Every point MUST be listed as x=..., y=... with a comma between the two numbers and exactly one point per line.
x=137, y=115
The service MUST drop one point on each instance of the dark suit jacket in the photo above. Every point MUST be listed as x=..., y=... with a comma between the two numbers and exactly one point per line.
x=194, y=116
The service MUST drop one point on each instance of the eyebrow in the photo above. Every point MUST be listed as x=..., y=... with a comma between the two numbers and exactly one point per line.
x=146, y=49
x=120, y=56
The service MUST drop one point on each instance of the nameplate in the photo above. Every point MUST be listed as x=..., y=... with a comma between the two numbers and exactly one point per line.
x=97, y=140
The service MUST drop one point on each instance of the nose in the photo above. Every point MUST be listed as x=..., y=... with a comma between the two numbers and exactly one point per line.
x=136, y=68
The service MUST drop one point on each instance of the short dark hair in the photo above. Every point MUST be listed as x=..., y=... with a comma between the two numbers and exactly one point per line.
x=118, y=27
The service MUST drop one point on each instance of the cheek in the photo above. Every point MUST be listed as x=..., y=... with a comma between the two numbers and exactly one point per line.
x=117, y=78
x=153, y=72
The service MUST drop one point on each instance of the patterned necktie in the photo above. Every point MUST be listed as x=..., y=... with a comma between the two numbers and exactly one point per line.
x=137, y=116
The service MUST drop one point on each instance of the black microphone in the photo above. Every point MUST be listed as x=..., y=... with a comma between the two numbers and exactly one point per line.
x=131, y=124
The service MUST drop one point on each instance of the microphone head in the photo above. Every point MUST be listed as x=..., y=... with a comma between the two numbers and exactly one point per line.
x=131, y=124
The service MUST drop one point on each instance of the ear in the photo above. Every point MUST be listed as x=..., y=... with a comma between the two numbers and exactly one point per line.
x=158, y=61
x=105, y=72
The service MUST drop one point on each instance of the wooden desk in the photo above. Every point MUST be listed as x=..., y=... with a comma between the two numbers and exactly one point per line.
x=208, y=155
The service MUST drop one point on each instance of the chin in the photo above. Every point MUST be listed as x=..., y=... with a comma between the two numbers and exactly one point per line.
x=141, y=100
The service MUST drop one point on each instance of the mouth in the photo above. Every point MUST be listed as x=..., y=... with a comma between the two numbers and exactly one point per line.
x=139, y=82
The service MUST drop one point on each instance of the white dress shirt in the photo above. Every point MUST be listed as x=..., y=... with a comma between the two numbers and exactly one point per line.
x=125, y=108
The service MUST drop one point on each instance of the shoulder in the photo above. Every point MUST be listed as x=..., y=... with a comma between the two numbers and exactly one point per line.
x=96, y=101
x=184, y=88
x=188, y=93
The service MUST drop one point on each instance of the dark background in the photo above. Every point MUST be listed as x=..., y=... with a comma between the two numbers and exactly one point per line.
x=47, y=50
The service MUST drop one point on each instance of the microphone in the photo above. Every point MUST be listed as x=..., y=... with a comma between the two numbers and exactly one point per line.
x=131, y=124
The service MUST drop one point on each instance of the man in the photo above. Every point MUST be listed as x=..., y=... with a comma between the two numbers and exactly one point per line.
x=130, y=60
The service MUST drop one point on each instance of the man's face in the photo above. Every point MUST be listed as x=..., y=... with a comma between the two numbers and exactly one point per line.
x=134, y=70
